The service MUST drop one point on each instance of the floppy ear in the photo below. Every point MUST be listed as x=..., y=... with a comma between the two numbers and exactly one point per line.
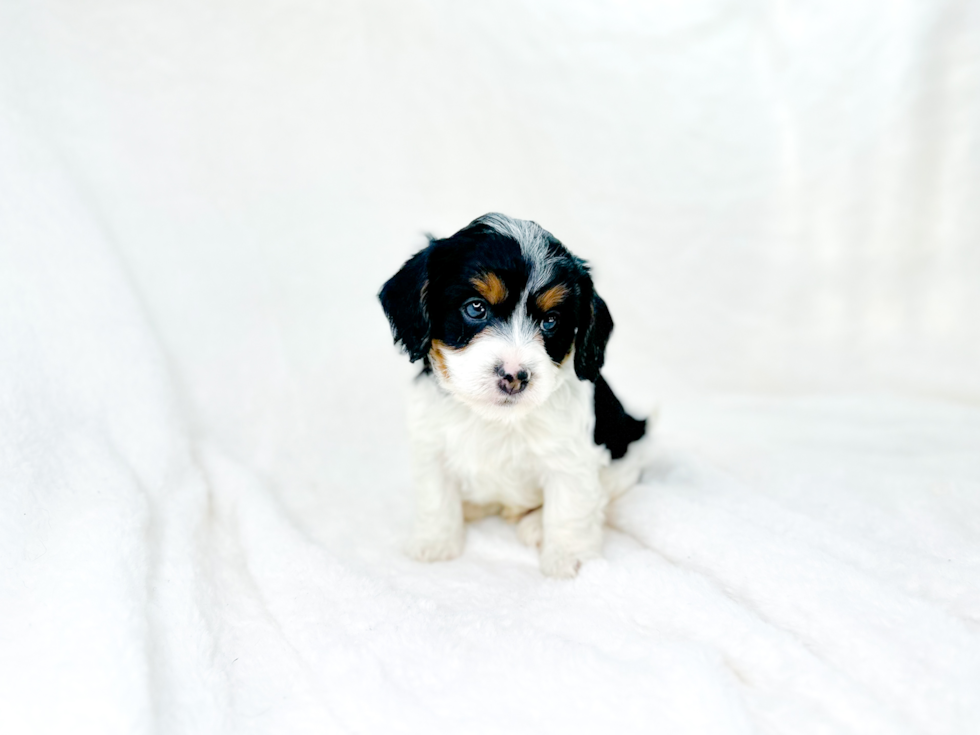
x=595, y=327
x=403, y=299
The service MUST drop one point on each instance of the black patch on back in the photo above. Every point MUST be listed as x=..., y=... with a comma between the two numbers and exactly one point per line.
x=614, y=428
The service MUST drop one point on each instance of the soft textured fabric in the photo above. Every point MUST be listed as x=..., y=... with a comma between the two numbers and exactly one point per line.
x=203, y=467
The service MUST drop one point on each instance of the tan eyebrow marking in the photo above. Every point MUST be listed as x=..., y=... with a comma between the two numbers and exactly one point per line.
x=490, y=287
x=552, y=297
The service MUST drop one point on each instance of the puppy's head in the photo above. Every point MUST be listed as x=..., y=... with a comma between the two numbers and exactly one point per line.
x=496, y=312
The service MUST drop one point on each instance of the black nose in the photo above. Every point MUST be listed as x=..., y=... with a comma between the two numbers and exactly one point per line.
x=512, y=384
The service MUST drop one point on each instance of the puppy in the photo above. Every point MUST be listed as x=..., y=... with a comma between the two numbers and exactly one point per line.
x=510, y=414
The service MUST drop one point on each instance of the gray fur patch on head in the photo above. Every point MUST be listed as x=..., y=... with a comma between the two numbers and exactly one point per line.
x=534, y=241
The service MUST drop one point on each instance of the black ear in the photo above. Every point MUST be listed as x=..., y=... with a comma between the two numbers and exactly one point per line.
x=403, y=299
x=595, y=327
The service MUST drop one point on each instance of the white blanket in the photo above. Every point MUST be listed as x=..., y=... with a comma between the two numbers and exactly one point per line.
x=786, y=566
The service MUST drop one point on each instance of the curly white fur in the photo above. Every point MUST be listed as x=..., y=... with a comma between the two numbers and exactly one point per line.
x=542, y=457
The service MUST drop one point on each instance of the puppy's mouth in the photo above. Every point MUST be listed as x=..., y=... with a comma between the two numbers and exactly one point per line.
x=518, y=402
x=503, y=406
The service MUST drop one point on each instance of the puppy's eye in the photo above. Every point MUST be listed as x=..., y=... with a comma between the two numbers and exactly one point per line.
x=475, y=310
x=549, y=323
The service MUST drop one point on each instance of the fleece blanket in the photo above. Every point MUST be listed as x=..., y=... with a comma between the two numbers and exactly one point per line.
x=786, y=565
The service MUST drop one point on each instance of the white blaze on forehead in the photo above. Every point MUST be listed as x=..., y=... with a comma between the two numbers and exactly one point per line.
x=519, y=331
x=534, y=241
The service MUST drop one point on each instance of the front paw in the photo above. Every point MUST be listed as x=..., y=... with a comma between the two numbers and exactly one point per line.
x=560, y=564
x=436, y=548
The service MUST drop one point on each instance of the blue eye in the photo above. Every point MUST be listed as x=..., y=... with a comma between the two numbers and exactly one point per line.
x=549, y=323
x=475, y=310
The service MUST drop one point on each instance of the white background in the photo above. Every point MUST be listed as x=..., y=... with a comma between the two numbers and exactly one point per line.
x=776, y=197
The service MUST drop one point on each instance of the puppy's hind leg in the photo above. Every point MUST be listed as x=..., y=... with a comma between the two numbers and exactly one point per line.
x=623, y=473
x=530, y=529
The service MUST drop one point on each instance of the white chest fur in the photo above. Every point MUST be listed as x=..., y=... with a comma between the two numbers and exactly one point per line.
x=506, y=462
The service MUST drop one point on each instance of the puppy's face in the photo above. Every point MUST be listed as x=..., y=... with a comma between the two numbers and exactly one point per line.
x=496, y=311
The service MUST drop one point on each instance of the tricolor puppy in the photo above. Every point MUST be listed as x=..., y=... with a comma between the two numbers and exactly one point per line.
x=510, y=414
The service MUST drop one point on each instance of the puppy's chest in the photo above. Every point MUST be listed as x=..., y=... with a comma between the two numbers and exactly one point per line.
x=494, y=463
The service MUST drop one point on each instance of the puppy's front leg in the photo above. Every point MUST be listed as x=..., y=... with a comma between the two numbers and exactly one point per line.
x=439, y=532
x=572, y=522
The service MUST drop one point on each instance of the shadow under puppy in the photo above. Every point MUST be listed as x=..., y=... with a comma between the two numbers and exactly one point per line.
x=510, y=414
